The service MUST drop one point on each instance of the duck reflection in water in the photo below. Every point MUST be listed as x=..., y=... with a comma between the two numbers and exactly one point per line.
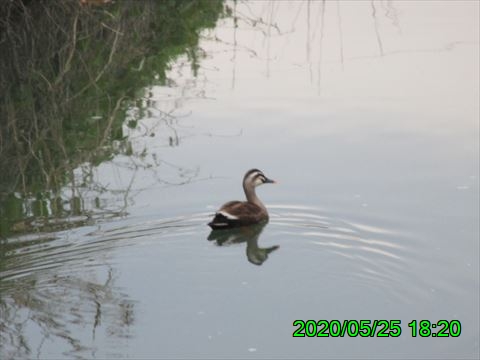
x=248, y=234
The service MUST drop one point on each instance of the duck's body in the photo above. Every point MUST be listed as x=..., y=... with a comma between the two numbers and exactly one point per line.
x=238, y=213
x=241, y=213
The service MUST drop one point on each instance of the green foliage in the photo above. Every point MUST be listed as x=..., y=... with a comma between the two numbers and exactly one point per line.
x=69, y=71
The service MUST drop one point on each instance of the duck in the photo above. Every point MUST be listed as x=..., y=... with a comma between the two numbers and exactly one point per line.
x=242, y=213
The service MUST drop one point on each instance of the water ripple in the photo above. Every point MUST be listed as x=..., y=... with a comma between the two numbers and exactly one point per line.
x=378, y=257
x=33, y=253
x=374, y=255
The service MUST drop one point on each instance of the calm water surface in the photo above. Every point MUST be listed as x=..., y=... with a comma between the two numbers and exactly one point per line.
x=367, y=115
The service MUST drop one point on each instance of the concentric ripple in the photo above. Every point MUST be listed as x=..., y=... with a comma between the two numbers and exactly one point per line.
x=32, y=253
x=378, y=257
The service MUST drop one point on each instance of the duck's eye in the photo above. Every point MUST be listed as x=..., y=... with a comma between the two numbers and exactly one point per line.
x=260, y=180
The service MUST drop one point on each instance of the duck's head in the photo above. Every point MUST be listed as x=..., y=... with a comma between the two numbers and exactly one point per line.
x=255, y=177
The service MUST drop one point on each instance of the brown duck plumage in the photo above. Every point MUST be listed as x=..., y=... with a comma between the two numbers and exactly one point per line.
x=241, y=213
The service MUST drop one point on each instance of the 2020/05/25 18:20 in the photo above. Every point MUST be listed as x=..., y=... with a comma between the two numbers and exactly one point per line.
x=375, y=328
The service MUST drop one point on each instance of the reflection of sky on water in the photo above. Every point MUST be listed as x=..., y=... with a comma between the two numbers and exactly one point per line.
x=394, y=96
x=388, y=140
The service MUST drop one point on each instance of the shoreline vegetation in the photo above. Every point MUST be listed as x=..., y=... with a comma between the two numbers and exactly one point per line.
x=69, y=70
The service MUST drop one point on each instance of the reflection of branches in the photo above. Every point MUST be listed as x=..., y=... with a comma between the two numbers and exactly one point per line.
x=297, y=15
x=392, y=14
x=56, y=305
x=216, y=39
x=340, y=33
x=375, y=23
x=267, y=38
x=308, y=41
x=99, y=191
x=263, y=19
x=52, y=80
x=320, y=48
x=254, y=20
x=234, y=55
x=447, y=47
x=187, y=175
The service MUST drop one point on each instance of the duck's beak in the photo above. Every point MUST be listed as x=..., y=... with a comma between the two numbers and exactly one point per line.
x=270, y=181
